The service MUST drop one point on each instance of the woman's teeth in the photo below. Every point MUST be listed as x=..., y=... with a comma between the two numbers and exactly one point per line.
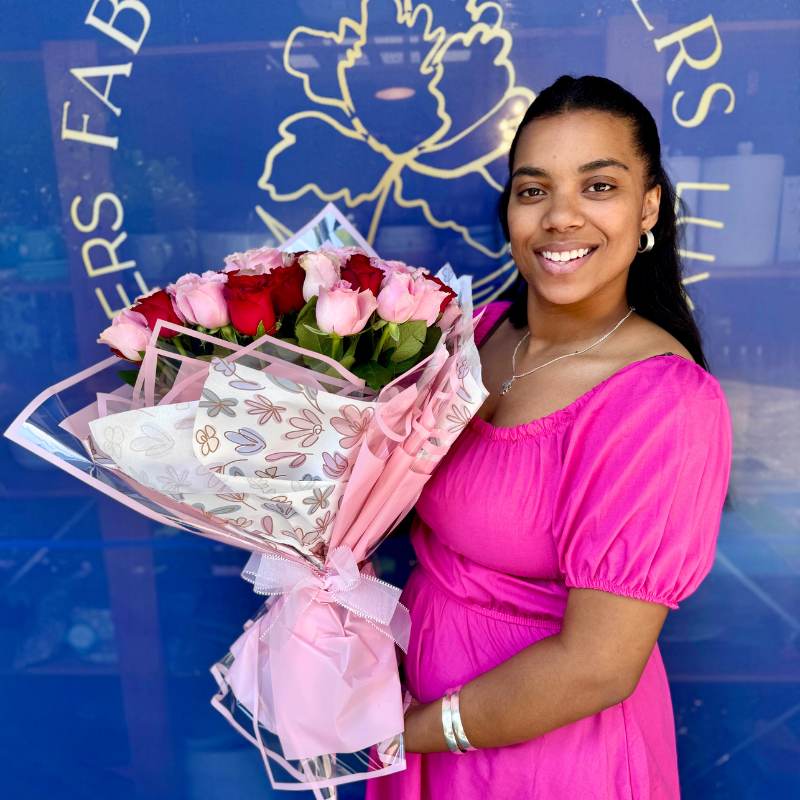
x=566, y=255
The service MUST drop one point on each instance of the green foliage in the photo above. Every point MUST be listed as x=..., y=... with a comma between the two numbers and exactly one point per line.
x=129, y=376
x=375, y=375
x=411, y=338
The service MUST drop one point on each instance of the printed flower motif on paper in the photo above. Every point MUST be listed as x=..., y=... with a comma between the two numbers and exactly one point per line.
x=220, y=365
x=318, y=500
x=321, y=523
x=459, y=416
x=113, y=437
x=334, y=465
x=247, y=441
x=352, y=425
x=215, y=405
x=206, y=437
x=280, y=504
x=236, y=497
x=213, y=482
x=304, y=538
x=174, y=483
x=153, y=442
x=309, y=427
x=265, y=408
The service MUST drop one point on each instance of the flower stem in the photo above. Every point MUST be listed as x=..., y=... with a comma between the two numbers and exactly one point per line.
x=381, y=342
x=336, y=346
x=178, y=346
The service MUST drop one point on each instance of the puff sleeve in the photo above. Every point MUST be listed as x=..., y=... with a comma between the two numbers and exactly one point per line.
x=645, y=473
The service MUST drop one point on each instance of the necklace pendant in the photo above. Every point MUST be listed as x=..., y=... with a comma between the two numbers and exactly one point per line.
x=506, y=385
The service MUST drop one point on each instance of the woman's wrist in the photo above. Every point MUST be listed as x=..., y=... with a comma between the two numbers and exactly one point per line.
x=427, y=726
x=423, y=728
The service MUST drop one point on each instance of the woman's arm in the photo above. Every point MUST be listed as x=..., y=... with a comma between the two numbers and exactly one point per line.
x=594, y=662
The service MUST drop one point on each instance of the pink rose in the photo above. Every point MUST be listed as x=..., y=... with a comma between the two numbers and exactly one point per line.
x=321, y=272
x=406, y=296
x=429, y=299
x=396, y=300
x=258, y=261
x=128, y=335
x=343, y=310
x=200, y=298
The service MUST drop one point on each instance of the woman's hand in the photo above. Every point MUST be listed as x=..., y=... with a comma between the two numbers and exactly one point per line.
x=423, y=728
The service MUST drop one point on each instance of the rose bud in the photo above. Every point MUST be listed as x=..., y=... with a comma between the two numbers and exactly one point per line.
x=127, y=335
x=362, y=274
x=342, y=310
x=249, y=302
x=156, y=306
x=200, y=298
x=321, y=271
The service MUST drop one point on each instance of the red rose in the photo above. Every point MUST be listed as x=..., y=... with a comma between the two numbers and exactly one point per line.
x=249, y=302
x=158, y=305
x=286, y=287
x=361, y=274
x=443, y=287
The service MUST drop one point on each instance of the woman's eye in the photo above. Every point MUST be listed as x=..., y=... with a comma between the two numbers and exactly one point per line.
x=602, y=183
x=529, y=189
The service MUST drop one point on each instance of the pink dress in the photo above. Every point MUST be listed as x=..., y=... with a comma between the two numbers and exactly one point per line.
x=622, y=491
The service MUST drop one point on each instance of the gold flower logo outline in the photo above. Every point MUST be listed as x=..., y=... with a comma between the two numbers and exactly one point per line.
x=437, y=154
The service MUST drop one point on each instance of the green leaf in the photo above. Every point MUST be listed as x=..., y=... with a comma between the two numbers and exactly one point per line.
x=129, y=376
x=307, y=339
x=260, y=330
x=394, y=330
x=375, y=375
x=432, y=336
x=411, y=337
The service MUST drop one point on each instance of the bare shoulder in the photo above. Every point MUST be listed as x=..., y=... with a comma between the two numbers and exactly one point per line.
x=645, y=339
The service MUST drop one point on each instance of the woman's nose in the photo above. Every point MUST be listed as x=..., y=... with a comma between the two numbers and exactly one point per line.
x=562, y=212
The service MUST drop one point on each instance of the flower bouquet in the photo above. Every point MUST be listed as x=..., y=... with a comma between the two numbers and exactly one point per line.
x=292, y=404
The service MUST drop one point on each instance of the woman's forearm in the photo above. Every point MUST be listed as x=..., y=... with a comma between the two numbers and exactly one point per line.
x=537, y=690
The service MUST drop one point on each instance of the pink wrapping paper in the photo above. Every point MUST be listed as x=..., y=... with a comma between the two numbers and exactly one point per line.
x=309, y=491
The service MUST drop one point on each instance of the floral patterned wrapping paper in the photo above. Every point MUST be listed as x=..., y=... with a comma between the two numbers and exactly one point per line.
x=255, y=449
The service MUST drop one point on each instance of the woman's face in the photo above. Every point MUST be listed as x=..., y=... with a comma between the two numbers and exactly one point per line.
x=566, y=197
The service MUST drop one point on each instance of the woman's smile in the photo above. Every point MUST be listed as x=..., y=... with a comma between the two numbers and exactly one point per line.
x=564, y=262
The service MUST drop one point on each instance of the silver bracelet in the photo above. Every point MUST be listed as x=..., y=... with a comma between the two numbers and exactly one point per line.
x=447, y=725
x=458, y=727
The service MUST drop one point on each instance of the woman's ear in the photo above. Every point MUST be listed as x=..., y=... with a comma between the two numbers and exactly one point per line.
x=650, y=206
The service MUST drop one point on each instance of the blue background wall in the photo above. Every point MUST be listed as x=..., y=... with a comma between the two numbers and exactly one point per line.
x=234, y=128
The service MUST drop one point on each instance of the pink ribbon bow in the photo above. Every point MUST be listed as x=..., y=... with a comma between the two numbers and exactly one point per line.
x=339, y=582
x=319, y=667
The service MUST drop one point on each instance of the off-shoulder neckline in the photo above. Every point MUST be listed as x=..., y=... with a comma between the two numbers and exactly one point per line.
x=559, y=417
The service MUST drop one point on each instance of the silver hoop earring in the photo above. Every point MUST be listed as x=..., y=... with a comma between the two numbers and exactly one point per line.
x=651, y=240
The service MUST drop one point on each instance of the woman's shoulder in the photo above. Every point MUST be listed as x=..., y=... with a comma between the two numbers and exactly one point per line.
x=663, y=386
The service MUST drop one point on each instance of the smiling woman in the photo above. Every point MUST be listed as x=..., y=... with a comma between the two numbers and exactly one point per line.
x=581, y=504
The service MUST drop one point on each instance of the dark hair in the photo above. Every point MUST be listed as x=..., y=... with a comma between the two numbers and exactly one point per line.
x=654, y=285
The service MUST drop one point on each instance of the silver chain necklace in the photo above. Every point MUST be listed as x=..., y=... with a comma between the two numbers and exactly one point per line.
x=506, y=385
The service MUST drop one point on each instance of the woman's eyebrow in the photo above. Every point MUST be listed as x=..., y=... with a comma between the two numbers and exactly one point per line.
x=599, y=163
